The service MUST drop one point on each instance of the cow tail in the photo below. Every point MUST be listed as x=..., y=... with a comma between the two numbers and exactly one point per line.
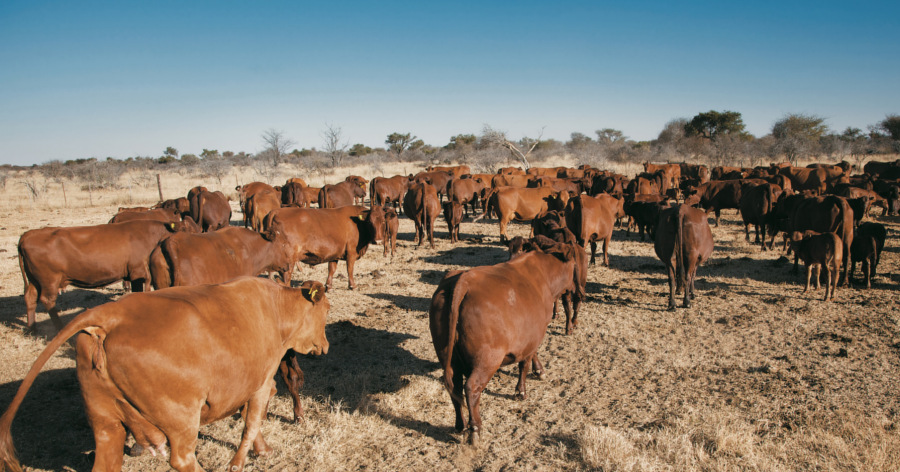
x=22, y=266
x=679, y=245
x=577, y=218
x=200, y=211
x=161, y=267
x=372, y=200
x=424, y=213
x=459, y=291
x=8, y=460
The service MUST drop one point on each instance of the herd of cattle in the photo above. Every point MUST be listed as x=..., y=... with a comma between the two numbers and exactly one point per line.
x=207, y=293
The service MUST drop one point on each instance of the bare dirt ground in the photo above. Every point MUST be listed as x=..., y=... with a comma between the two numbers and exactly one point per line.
x=756, y=376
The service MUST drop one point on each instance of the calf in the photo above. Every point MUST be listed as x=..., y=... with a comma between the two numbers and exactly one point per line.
x=453, y=214
x=496, y=315
x=683, y=242
x=866, y=248
x=421, y=203
x=591, y=219
x=88, y=257
x=137, y=363
x=391, y=227
x=819, y=250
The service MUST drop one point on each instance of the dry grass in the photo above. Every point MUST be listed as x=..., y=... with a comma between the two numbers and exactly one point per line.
x=757, y=376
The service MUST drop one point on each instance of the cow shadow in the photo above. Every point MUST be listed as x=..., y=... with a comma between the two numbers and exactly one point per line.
x=634, y=263
x=470, y=256
x=12, y=309
x=405, y=302
x=54, y=399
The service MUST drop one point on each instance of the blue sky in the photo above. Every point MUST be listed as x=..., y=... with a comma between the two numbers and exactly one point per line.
x=97, y=79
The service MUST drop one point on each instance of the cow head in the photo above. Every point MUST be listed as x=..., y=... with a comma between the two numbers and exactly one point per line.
x=310, y=338
x=371, y=225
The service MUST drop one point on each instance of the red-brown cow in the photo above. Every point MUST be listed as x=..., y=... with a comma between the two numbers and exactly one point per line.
x=671, y=172
x=453, y=214
x=868, y=242
x=210, y=210
x=826, y=214
x=391, y=228
x=496, y=315
x=511, y=171
x=465, y=191
x=591, y=219
x=245, y=192
x=259, y=206
x=319, y=235
x=509, y=180
x=86, y=257
x=683, y=242
x=137, y=363
x=819, y=251
x=292, y=193
x=455, y=170
x=439, y=179
x=342, y=194
x=388, y=190
x=717, y=195
x=180, y=204
x=547, y=171
x=757, y=204
x=806, y=179
x=422, y=205
x=521, y=204
x=164, y=215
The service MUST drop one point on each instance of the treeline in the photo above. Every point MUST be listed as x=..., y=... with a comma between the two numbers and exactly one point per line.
x=713, y=138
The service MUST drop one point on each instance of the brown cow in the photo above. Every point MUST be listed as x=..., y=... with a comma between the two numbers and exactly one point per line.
x=388, y=190
x=683, y=242
x=511, y=171
x=495, y=315
x=311, y=196
x=165, y=215
x=210, y=210
x=391, y=228
x=826, y=214
x=360, y=182
x=319, y=235
x=465, y=191
x=342, y=194
x=591, y=219
x=819, y=251
x=296, y=180
x=547, y=171
x=245, y=192
x=439, y=179
x=806, y=179
x=866, y=248
x=422, y=205
x=757, y=203
x=180, y=204
x=695, y=171
x=671, y=172
x=259, y=206
x=509, y=180
x=521, y=204
x=717, y=195
x=88, y=257
x=453, y=214
x=133, y=357
x=882, y=169
x=455, y=170
x=559, y=185
x=292, y=193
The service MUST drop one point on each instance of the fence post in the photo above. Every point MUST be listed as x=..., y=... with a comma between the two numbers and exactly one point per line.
x=159, y=187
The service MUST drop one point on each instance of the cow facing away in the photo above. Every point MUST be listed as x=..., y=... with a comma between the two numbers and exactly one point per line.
x=495, y=315
x=453, y=214
x=210, y=210
x=87, y=257
x=391, y=228
x=819, y=251
x=422, y=204
x=683, y=242
x=866, y=248
x=133, y=357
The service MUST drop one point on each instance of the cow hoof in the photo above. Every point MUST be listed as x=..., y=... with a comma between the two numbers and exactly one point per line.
x=539, y=374
x=136, y=450
x=671, y=307
x=520, y=396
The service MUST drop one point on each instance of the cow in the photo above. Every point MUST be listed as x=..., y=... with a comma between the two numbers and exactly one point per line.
x=292, y=193
x=180, y=204
x=165, y=215
x=439, y=179
x=591, y=219
x=247, y=190
x=388, y=190
x=552, y=226
x=683, y=242
x=878, y=169
x=868, y=242
x=717, y=195
x=296, y=180
x=613, y=184
x=342, y=194
x=695, y=171
x=757, y=203
x=259, y=206
x=557, y=184
x=521, y=204
x=719, y=172
x=454, y=170
x=465, y=191
x=509, y=180
x=644, y=213
x=422, y=204
x=495, y=315
x=511, y=171
x=88, y=257
x=671, y=172
x=806, y=179
x=453, y=214
x=318, y=235
x=133, y=357
x=210, y=210
x=391, y=228
x=547, y=171
x=819, y=251
x=311, y=196
x=826, y=214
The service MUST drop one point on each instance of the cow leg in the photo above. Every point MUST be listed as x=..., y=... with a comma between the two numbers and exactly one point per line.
x=293, y=377
x=537, y=367
x=819, y=275
x=828, y=281
x=503, y=223
x=332, y=267
x=671, y=270
x=567, y=307
x=256, y=412
x=101, y=409
x=48, y=298
x=555, y=307
x=867, y=271
x=605, y=250
x=260, y=448
x=747, y=233
x=809, y=270
x=478, y=379
x=524, y=367
x=351, y=261
x=31, y=298
x=718, y=214
x=593, y=251
x=429, y=228
x=846, y=264
x=458, y=392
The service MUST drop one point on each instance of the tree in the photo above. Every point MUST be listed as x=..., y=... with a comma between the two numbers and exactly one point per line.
x=492, y=137
x=399, y=142
x=461, y=141
x=358, y=150
x=578, y=141
x=712, y=124
x=891, y=125
x=609, y=136
x=335, y=146
x=797, y=135
x=209, y=154
x=171, y=152
x=277, y=145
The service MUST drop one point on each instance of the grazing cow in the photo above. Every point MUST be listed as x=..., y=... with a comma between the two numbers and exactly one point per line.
x=465, y=191
x=683, y=242
x=453, y=214
x=547, y=171
x=439, y=179
x=866, y=248
x=88, y=257
x=826, y=214
x=210, y=210
x=342, y=194
x=259, y=206
x=291, y=193
x=591, y=219
x=384, y=191
x=496, y=315
x=671, y=172
x=391, y=228
x=422, y=205
x=137, y=363
x=889, y=170
x=180, y=204
x=757, y=203
x=319, y=235
x=164, y=215
x=819, y=251
x=521, y=204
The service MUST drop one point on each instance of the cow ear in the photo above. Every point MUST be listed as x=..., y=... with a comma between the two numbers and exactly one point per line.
x=171, y=227
x=313, y=291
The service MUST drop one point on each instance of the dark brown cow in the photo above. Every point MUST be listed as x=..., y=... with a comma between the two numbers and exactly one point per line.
x=439, y=179
x=613, y=184
x=453, y=214
x=165, y=215
x=719, y=172
x=683, y=242
x=465, y=191
x=717, y=195
x=391, y=228
x=422, y=205
x=496, y=315
x=521, y=204
x=866, y=248
x=819, y=251
x=388, y=190
x=133, y=357
x=695, y=171
x=591, y=219
x=292, y=193
x=806, y=179
x=88, y=257
x=826, y=214
x=643, y=212
x=319, y=235
x=259, y=205
x=883, y=169
x=210, y=210
x=340, y=195
x=757, y=203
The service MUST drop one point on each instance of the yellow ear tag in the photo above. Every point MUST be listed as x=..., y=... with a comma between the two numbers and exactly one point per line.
x=172, y=226
x=312, y=293
x=360, y=217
